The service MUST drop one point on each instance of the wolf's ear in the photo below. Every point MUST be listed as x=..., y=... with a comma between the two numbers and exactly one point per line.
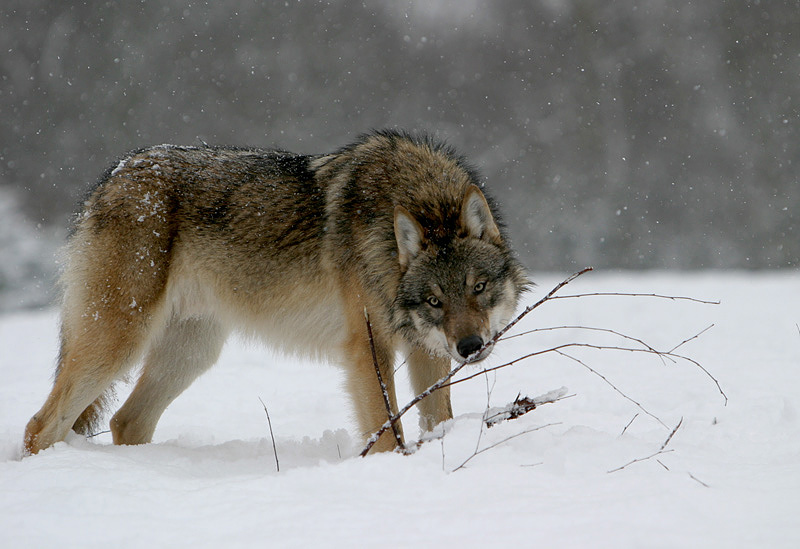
x=476, y=218
x=409, y=236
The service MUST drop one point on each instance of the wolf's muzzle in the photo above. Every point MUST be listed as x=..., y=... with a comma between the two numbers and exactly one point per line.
x=469, y=345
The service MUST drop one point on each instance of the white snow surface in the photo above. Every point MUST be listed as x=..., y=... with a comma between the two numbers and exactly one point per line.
x=728, y=477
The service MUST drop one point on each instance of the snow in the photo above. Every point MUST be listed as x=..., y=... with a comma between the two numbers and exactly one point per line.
x=728, y=477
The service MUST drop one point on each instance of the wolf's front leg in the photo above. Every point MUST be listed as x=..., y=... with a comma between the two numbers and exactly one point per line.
x=424, y=370
x=365, y=389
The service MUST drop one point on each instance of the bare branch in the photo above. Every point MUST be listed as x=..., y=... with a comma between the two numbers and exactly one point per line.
x=605, y=379
x=695, y=336
x=672, y=434
x=670, y=355
x=489, y=390
x=660, y=451
x=557, y=348
x=496, y=444
x=694, y=478
x=629, y=423
x=624, y=294
x=272, y=436
x=539, y=303
x=637, y=460
x=595, y=329
x=384, y=391
x=701, y=367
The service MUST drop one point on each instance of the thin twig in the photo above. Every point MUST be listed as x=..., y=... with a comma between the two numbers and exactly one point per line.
x=637, y=460
x=590, y=329
x=272, y=436
x=606, y=380
x=708, y=374
x=482, y=450
x=489, y=390
x=695, y=336
x=672, y=434
x=557, y=348
x=400, y=366
x=691, y=476
x=625, y=294
x=397, y=437
x=629, y=423
x=641, y=342
x=550, y=295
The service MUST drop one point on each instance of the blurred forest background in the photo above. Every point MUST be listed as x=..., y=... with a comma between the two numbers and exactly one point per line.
x=627, y=134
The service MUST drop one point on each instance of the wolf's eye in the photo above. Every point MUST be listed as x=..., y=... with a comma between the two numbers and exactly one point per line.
x=433, y=301
x=479, y=287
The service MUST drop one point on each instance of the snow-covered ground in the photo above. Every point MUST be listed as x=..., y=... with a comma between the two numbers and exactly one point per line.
x=728, y=477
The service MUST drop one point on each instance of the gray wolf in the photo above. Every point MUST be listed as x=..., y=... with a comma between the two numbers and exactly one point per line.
x=178, y=246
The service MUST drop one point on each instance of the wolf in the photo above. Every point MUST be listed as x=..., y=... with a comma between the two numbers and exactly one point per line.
x=177, y=246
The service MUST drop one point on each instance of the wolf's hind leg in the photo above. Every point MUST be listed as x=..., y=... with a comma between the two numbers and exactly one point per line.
x=424, y=370
x=187, y=348
x=93, y=355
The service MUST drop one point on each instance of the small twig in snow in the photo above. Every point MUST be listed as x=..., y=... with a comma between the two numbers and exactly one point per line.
x=489, y=390
x=672, y=434
x=272, y=436
x=637, y=460
x=496, y=444
x=629, y=423
x=691, y=476
x=660, y=451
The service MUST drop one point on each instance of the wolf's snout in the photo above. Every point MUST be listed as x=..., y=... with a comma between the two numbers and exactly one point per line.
x=469, y=345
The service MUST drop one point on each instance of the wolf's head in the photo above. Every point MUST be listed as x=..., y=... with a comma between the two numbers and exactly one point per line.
x=457, y=292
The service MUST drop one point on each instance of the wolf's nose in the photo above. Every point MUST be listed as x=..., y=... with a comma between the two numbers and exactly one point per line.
x=469, y=345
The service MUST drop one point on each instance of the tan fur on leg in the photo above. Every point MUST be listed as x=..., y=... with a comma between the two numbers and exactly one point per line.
x=187, y=349
x=362, y=380
x=425, y=370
